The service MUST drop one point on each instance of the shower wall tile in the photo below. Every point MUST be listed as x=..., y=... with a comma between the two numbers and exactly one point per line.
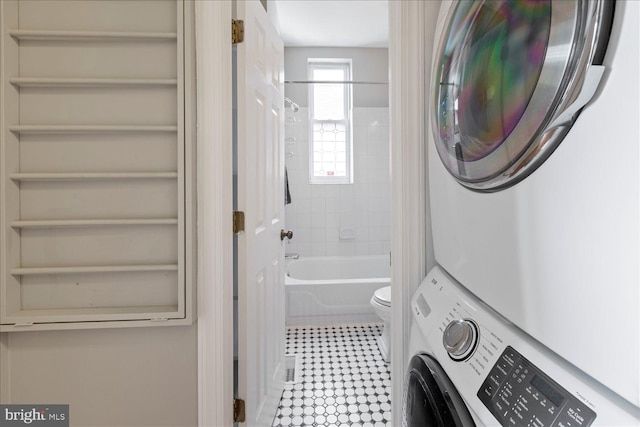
x=333, y=234
x=375, y=247
x=318, y=249
x=347, y=249
x=317, y=203
x=318, y=211
x=318, y=219
x=361, y=116
x=318, y=235
x=361, y=247
x=333, y=219
x=333, y=247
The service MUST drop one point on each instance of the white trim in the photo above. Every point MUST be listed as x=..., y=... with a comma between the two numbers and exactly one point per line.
x=215, y=239
x=191, y=169
x=411, y=33
x=332, y=64
x=5, y=372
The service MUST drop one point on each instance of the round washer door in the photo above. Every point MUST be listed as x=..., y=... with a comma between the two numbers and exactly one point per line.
x=430, y=398
x=510, y=78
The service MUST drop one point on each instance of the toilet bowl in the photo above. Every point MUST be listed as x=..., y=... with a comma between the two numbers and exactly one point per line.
x=381, y=303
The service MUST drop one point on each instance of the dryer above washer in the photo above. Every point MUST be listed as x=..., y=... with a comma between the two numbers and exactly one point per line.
x=509, y=79
x=557, y=253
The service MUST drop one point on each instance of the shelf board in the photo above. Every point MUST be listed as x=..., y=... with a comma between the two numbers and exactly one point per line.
x=62, y=129
x=92, y=223
x=82, y=176
x=46, y=82
x=38, y=271
x=42, y=35
x=82, y=318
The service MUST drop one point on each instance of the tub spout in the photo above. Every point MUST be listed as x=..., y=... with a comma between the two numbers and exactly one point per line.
x=291, y=256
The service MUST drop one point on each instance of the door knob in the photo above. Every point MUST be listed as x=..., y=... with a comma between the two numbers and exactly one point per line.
x=286, y=234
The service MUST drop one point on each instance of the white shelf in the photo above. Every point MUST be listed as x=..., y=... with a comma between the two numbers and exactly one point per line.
x=93, y=269
x=67, y=318
x=58, y=129
x=44, y=35
x=91, y=176
x=91, y=223
x=28, y=82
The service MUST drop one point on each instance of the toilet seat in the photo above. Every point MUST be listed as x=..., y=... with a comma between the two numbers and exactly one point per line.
x=383, y=296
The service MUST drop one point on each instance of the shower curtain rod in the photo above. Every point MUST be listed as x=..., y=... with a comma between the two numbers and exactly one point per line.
x=347, y=82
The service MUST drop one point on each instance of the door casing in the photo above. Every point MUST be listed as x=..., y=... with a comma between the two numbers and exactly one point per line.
x=409, y=47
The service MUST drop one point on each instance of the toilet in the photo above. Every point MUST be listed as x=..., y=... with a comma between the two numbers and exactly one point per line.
x=381, y=303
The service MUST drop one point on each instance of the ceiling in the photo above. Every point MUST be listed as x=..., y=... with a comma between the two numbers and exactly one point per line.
x=332, y=23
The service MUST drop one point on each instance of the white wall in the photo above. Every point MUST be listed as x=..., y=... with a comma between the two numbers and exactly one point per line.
x=369, y=64
x=109, y=377
x=318, y=211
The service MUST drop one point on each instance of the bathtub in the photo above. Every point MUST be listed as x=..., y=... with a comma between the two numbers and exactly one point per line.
x=334, y=290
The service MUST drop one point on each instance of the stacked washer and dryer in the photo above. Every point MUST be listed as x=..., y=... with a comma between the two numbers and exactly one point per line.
x=533, y=316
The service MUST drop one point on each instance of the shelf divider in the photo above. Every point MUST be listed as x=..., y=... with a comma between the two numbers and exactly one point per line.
x=86, y=176
x=33, y=271
x=52, y=82
x=49, y=35
x=62, y=129
x=73, y=223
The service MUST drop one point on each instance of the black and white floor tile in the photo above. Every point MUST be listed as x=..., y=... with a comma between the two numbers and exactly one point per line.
x=343, y=382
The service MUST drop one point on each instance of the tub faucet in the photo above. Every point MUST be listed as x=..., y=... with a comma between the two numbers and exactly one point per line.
x=291, y=256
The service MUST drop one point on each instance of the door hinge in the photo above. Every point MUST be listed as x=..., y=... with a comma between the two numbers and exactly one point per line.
x=237, y=31
x=238, y=411
x=238, y=222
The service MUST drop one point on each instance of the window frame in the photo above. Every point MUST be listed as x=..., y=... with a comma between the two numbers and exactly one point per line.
x=331, y=64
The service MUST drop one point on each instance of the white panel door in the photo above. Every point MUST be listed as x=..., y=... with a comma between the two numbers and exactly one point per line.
x=260, y=65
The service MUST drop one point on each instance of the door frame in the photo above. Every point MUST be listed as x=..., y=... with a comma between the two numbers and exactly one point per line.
x=214, y=210
x=411, y=34
x=412, y=250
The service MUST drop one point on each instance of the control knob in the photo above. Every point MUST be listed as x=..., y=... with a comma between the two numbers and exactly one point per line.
x=460, y=338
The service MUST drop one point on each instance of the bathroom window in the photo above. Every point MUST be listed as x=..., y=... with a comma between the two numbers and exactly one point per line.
x=330, y=160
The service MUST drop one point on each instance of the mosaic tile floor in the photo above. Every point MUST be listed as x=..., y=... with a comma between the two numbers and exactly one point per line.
x=343, y=380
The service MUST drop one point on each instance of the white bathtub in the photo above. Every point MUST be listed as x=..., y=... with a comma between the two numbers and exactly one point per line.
x=333, y=290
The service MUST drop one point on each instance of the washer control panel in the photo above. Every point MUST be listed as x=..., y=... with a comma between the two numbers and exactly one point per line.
x=517, y=393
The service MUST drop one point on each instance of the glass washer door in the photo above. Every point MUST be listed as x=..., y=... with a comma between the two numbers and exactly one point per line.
x=430, y=398
x=506, y=76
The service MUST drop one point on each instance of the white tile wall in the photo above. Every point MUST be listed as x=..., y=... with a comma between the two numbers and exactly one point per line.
x=318, y=211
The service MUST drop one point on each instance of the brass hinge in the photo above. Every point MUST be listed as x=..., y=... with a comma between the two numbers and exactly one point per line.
x=237, y=31
x=238, y=222
x=238, y=411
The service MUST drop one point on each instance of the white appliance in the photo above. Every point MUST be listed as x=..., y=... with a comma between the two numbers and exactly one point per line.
x=534, y=177
x=471, y=366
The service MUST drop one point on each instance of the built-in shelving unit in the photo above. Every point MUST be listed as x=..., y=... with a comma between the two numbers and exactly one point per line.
x=94, y=223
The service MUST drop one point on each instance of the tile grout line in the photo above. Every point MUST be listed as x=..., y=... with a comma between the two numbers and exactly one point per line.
x=343, y=379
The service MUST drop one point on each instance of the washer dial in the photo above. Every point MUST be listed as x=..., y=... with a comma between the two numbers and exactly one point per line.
x=460, y=338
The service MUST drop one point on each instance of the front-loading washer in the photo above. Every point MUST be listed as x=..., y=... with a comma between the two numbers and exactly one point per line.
x=533, y=165
x=471, y=367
